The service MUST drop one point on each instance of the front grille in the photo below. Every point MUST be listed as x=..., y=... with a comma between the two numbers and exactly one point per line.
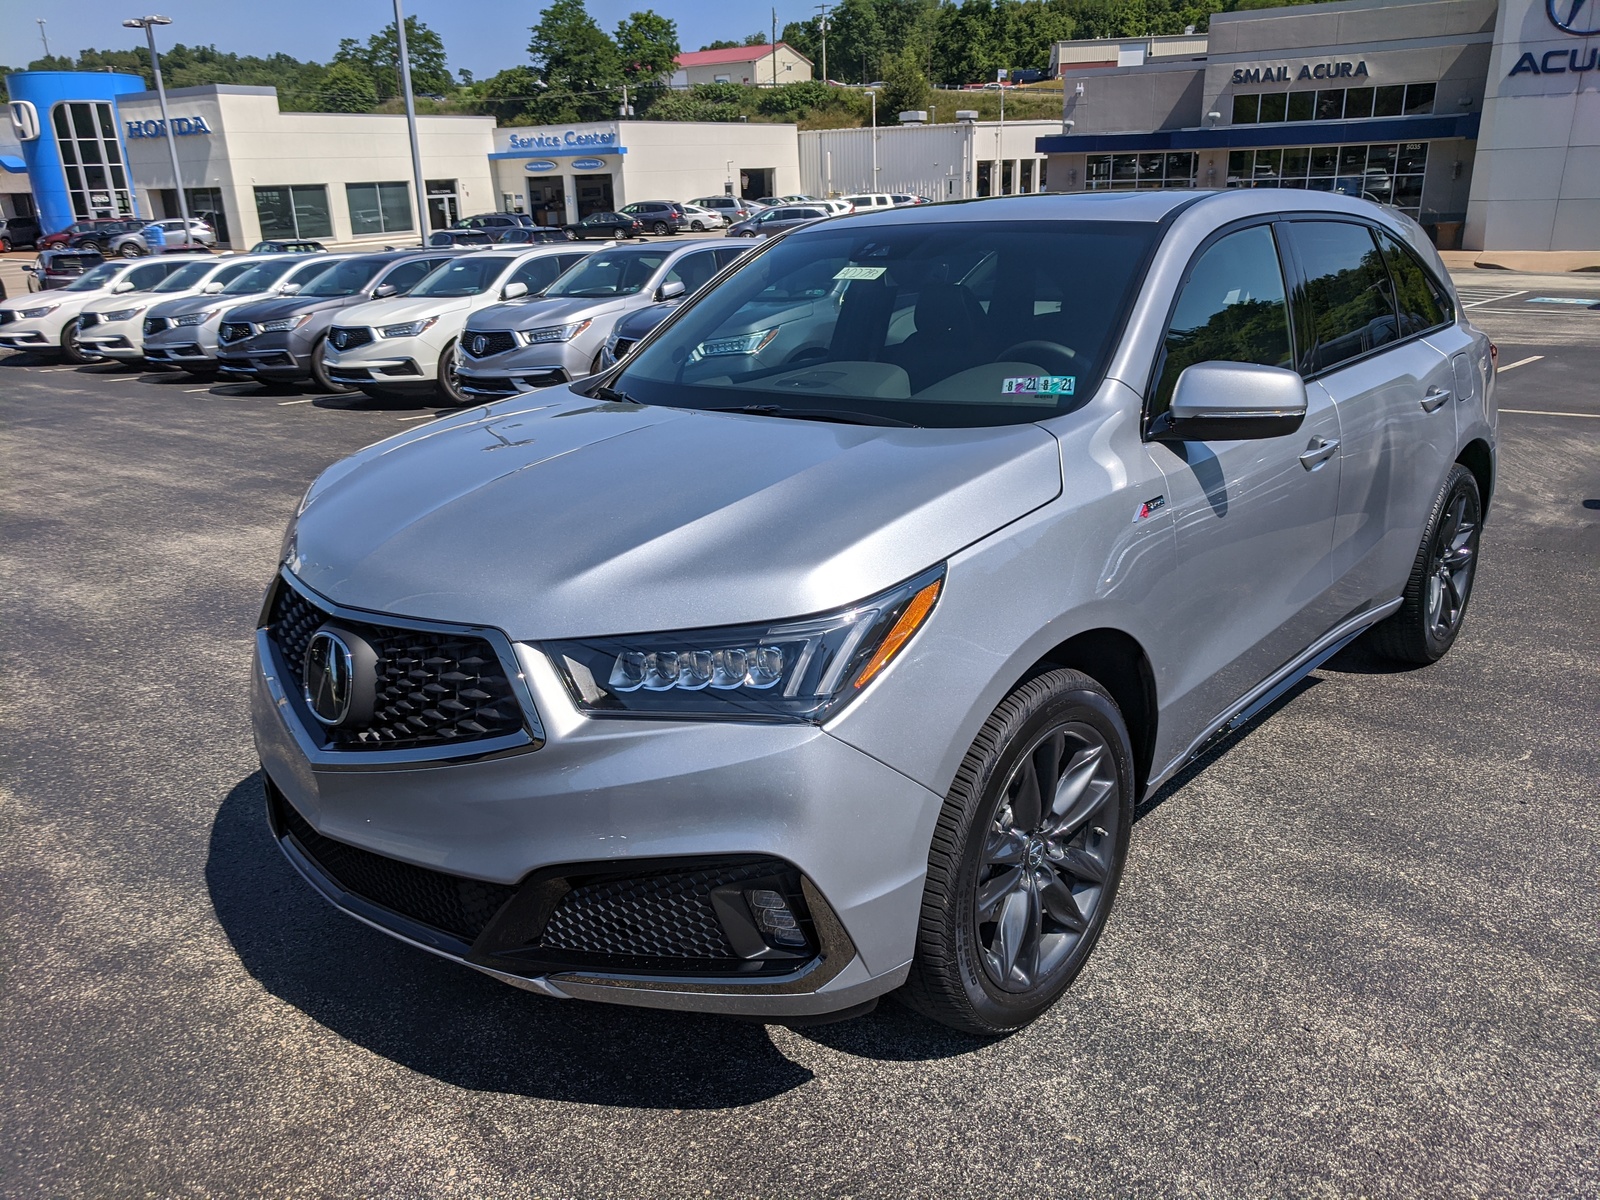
x=233, y=331
x=434, y=689
x=449, y=903
x=661, y=920
x=482, y=345
x=620, y=351
x=156, y=324
x=7, y=316
x=87, y=320
x=345, y=338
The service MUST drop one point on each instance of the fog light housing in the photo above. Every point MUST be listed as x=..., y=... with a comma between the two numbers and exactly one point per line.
x=774, y=918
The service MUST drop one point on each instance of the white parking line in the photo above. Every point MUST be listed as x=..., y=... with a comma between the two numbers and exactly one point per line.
x=192, y=390
x=423, y=417
x=307, y=400
x=1521, y=362
x=1473, y=297
x=1539, y=412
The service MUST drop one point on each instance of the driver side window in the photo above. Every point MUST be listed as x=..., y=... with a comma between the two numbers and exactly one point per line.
x=1231, y=308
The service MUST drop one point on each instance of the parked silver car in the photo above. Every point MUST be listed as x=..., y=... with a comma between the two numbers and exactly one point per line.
x=560, y=335
x=770, y=222
x=769, y=687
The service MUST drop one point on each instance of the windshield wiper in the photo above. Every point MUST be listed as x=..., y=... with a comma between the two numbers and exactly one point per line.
x=839, y=416
x=610, y=393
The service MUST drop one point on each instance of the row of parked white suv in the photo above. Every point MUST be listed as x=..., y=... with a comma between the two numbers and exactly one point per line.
x=533, y=315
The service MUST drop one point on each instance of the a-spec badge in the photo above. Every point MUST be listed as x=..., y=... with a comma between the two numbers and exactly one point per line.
x=1149, y=508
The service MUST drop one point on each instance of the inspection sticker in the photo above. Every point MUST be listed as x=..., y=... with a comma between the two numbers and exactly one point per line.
x=861, y=272
x=1039, y=385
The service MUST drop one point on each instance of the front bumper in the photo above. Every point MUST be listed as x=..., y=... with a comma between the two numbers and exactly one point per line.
x=269, y=355
x=603, y=797
x=119, y=339
x=527, y=367
x=26, y=335
x=183, y=346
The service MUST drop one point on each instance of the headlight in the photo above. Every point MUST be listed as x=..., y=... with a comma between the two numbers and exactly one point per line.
x=800, y=670
x=555, y=333
x=123, y=314
x=43, y=311
x=283, y=324
x=409, y=329
x=744, y=343
x=199, y=318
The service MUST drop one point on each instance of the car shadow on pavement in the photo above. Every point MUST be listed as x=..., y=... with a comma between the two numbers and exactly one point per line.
x=447, y=1021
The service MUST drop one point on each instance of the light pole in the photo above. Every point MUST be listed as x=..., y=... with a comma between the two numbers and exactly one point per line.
x=40, y=22
x=148, y=24
x=823, y=8
x=411, y=123
x=874, y=96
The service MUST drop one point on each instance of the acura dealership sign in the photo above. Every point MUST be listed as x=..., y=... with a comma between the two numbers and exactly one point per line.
x=1580, y=18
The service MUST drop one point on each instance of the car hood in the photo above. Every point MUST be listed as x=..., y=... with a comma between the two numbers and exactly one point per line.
x=102, y=303
x=554, y=515
x=56, y=296
x=289, y=306
x=183, y=305
x=397, y=310
x=535, y=314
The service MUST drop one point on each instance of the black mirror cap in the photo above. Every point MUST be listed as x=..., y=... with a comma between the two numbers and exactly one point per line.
x=1224, y=429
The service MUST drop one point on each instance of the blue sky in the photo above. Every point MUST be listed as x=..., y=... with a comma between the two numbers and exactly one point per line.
x=483, y=36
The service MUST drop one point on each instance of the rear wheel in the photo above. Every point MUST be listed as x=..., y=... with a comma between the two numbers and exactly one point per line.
x=72, y=350
x=319, y=370
x=5, y=245
x=660, y=229
x=698, y=225
x=1435, y=600
x=1026, y=857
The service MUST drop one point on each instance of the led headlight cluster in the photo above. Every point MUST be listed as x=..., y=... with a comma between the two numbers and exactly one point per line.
x=555, y=333
x=744, y=343
x=43, y=311
x=801, y=670
x=199, y=318
x=283, y=324
x=408, y=329
x=122, y=314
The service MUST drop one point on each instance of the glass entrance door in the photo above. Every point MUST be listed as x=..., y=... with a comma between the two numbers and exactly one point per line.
x=444, y=204
x=547, y=200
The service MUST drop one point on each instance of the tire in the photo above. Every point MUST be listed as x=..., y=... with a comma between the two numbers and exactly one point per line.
x=448, y=384
x=660, y=229
x=319, y=370
x=993, y=855
x=698, y=226
x=71, y=351
x=1434, y=603
x=130, y=250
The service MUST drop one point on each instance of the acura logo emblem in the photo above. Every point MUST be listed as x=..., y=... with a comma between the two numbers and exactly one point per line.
x=478, y=344
x=329, y=673
x=1582, y=16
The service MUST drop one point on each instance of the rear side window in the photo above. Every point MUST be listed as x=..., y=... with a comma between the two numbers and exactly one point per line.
x=1348, y=290
x=1422, y=301
x=148, y=275
x=1232, y=309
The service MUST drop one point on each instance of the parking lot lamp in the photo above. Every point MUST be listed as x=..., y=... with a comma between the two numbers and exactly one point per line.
x=148, y=24
x=411, y=124
x=874, y=96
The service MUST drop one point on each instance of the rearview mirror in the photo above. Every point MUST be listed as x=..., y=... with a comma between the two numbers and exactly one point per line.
x=513, y=290
x=670, y=290
x=211, y=289
x=1226, y=401
x=384, y=291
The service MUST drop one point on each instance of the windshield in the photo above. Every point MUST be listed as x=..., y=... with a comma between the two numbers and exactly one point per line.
x=185, y=278
x=305, y=270
x=461, y=277
x=97, y=278
x=959, y=324
x=343, y=279
x=259, y=278
x=610, y=273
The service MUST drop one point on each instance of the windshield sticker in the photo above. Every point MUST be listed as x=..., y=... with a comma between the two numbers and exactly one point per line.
x=1039, y=385
x=861, y=272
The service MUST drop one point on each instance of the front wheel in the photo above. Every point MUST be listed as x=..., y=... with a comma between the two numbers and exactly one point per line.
x=319, y=370
x=72, y=350
x=1435, y=600
x=450, y=378
x=130, y=250
x=1026, y=857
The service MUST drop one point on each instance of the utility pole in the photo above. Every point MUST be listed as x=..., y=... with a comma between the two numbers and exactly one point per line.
x=774, y=47
x=148, y=24
x=411, y=124
x=42, y=38
x=874, y=96
x=823, y=9
x=996, y=187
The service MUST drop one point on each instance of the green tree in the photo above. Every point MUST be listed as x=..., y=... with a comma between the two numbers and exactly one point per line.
x=905, y=86
x=755, y=39
x=577, y=62
x=347, y=88
x=855, y=41
x=379, y=56
x=511, y=96
x=648, y=45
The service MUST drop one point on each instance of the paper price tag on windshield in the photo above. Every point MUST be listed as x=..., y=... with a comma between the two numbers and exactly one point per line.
x=1039, y=385
x=861, y=272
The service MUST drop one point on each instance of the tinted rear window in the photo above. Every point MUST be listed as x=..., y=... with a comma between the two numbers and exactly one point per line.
x=1347, y=286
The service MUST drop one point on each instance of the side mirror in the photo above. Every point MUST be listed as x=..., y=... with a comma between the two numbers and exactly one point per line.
x=211, y=289
x=289, y=289
x=384, y=291
x=122, y=285
x=670, y=290
x=1227, y=401
x=512, y=291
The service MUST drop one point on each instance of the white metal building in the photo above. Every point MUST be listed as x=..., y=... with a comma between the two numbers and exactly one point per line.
x=942, y=162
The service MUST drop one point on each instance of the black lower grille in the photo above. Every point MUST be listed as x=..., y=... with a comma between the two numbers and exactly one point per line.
x=155, y=325
x=662, y=920
x=88, y=320
x=432, y=688
x=7, y=316
x=481, y=345
x=620, y=350
x=450, y=903
x=343, y=337
x=233, y=331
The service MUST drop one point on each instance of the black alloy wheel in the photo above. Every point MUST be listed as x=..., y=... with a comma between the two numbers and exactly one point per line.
x=72, y=350
x=319, y=370
x=660, y=229
x=698, y=225
x=1435, y=599
x=1026, y=857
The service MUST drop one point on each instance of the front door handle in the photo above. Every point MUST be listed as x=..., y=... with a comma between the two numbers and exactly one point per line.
x=1320, y=452
x=1434, y=398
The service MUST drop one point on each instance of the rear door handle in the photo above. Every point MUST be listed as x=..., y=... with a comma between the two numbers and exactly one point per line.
x=1434, y=398
x=1319, y=453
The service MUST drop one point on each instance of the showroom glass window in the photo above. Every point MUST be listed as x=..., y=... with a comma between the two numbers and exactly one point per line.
x=91, y=158
x=1232, y=308
x=1336, y=104
x=379, y=207
x=294, y=212
x=1386, y=173
x=1141, y=172
x=1347, y=288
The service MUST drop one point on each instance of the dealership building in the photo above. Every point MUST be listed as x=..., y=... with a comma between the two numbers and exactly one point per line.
x=1480, y=119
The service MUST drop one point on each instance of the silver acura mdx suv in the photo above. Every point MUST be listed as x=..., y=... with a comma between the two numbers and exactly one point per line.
x=768, y=681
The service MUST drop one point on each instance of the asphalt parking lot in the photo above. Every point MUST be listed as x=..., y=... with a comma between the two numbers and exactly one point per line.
x=1357, y=953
